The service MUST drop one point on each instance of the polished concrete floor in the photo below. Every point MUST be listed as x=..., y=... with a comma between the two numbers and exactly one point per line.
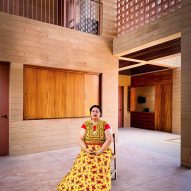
x=147, y=161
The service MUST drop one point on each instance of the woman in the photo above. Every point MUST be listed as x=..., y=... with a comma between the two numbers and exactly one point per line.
x=91, y=169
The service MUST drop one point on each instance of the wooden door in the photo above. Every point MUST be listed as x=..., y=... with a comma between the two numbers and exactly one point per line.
x=4, y=109
x=163, y=107
x=120, y=106
x=133, y=99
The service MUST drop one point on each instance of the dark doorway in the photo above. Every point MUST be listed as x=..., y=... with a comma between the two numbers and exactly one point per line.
x=120, y=106
x=4, y=108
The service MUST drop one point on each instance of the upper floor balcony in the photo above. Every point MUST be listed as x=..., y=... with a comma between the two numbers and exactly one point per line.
x=82, y=15
x=99, y=17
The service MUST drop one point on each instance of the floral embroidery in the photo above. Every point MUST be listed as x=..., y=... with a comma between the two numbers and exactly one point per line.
x=90, y=172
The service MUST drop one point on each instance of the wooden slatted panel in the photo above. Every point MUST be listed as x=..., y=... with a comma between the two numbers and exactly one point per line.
x=91, y=92
x=158, y=101
x=167, y=88
x=30, y=87
x=75, y=89
x=157, y=51
x=58, y=93
x=45, y=94
x=60, y=96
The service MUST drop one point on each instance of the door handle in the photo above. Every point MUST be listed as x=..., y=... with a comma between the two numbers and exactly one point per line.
x=4, y=116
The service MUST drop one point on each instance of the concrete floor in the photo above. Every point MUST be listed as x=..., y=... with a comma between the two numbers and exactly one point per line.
x=147, y=161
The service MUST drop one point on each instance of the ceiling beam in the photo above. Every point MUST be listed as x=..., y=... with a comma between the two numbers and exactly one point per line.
x=156, y=42
x=143, y=62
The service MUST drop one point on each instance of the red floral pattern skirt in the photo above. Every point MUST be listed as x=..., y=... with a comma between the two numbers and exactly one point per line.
x=89, y=172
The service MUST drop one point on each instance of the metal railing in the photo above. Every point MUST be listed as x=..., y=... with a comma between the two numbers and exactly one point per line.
x=82, y=15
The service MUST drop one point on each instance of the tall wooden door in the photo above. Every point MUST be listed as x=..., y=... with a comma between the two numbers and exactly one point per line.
x=4, y=109
x=163, y=107
x=120, y=106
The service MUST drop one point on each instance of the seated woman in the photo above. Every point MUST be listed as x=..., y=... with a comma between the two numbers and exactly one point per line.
x=91, y=169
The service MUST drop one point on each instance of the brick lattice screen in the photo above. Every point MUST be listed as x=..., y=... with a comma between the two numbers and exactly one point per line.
x=132, y=14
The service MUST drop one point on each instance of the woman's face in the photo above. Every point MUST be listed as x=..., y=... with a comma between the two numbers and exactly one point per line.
x=95, y=113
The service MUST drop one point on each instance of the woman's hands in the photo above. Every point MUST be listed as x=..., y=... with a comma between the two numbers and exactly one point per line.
x=93, y=152
x=88, y=150
x=98, y=152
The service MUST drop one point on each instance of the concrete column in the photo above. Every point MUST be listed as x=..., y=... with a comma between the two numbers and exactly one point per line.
x=186, y=84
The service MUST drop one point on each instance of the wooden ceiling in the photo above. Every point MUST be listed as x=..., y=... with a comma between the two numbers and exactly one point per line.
x=142, y=69
x=148, y=54
x=158, y=51
x=124, y=63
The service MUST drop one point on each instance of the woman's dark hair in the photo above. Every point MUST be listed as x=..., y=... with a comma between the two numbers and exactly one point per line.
x=97, y=106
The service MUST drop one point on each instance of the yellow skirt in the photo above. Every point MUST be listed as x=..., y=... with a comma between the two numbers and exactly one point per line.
x=89, y=172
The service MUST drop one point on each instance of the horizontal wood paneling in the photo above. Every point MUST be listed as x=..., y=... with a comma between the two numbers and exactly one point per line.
x=109, y=18
x=28, y=42
x=176, y=101
x=164, y=77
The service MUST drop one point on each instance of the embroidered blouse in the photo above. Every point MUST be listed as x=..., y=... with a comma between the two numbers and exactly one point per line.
x=95, y=134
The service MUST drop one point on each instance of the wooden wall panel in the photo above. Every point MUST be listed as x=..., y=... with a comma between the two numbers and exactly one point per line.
x=167, y=104
x=163, y=96
x=75, y=88
x=163, y=107
x=158, y=108
x=144, y=120
x=149, y=93
x=133, y=99
x=60, y=96
x=45, y=94
x=150, y=79
x=30, y=101
x=59, y=93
